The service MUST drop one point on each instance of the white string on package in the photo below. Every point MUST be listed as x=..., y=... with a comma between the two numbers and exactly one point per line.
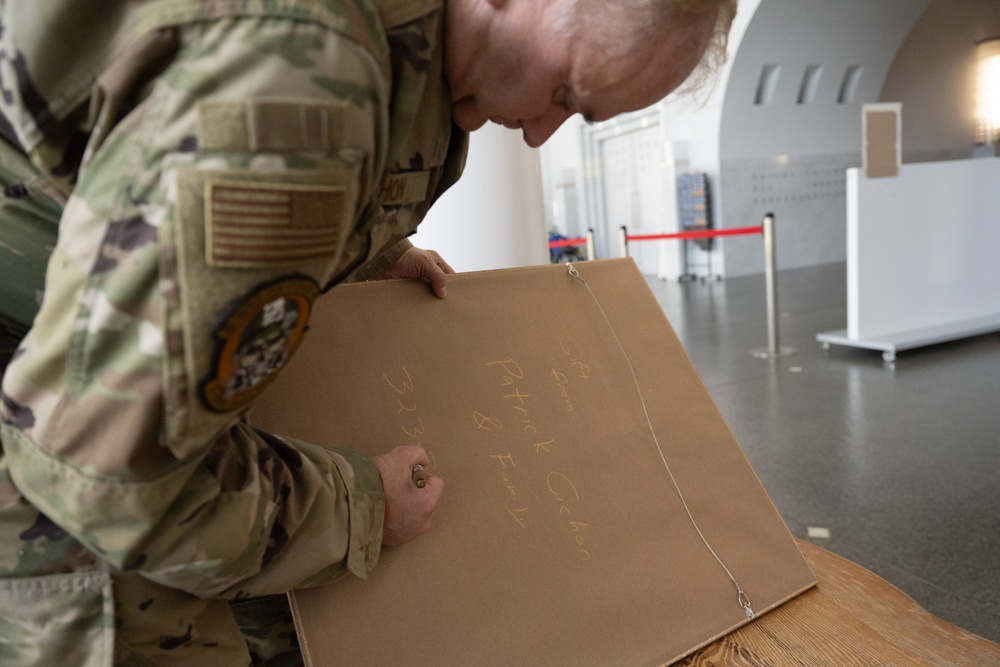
x=742, y=598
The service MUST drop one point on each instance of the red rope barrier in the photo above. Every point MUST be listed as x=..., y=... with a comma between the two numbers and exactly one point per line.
x=562, y=243
x=699, y=234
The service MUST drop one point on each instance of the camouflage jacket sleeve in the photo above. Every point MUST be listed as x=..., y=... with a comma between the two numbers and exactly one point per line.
x=203, y=225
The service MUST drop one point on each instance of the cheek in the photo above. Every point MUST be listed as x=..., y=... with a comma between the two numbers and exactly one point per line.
x=525, y=99
x=516, y=88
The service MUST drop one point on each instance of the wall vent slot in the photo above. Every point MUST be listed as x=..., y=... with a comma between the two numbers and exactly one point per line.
x=767, y=84
x=849, y=86
x=810, y=84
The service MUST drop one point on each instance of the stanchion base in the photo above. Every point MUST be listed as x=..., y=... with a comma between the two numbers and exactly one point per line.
x=765, y=353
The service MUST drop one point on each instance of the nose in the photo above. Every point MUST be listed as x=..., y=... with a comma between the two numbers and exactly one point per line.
x=538, y=129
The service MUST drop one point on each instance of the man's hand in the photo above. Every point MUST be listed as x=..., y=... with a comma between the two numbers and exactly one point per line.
x=408, y=508
x=420, y=263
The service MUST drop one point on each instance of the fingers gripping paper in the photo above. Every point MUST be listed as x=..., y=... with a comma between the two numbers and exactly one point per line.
x=561, y=538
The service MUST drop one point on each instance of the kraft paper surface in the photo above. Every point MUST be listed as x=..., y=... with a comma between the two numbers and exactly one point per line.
x=560, y=539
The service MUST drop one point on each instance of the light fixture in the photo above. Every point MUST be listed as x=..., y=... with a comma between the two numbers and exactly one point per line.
x=988, y=91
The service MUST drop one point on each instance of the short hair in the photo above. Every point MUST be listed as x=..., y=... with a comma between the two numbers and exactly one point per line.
x=632, y=20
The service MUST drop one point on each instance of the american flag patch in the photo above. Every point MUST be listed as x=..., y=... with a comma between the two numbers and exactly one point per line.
x=253, y=225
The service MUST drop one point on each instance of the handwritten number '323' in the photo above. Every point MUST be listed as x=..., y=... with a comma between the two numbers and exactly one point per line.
x=404, y=387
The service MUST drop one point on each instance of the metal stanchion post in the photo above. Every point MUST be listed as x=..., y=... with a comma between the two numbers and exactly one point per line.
x=774, y=348
x=590, y=244
x=623, y=241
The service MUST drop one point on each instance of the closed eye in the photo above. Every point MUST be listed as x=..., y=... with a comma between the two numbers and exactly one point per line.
x=563, y=97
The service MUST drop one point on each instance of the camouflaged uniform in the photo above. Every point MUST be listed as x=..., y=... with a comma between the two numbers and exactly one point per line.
x=211, y=167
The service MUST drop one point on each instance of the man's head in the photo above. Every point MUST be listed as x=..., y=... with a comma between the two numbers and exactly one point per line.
x=531, y=64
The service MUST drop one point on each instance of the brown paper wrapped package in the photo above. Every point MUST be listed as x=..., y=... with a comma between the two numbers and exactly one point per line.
x=561, y=538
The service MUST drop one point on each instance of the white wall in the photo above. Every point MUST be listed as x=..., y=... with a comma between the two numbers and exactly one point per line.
x=562, y=175
x=493, y=218
x=795, y=34
x=789, y=158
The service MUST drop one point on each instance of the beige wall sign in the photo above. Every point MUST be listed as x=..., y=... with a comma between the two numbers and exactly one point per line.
x=882, y=154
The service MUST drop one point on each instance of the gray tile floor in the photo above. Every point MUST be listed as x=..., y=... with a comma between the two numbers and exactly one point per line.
x=901, y=464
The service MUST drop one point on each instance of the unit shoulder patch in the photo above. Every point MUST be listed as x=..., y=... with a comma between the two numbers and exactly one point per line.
x=255, y=341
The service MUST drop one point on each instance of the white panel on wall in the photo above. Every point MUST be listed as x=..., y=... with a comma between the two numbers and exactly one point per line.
x=651, y=215
x=806, y=195
x=632, y=170
x=618, y=180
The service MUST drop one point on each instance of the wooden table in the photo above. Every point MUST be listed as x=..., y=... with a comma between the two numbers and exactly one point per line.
x=853, y=618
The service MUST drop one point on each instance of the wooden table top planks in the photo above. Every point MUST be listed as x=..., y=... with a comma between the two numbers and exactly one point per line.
x=852, y=618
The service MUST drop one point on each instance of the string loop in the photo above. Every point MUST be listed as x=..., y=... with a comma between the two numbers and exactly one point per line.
x=742, y=598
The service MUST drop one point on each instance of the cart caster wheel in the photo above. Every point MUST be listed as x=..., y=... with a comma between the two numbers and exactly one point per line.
x=826, y=346
x=888, y=357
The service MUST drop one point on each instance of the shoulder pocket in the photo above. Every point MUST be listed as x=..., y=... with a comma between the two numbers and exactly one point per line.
x=252, y=238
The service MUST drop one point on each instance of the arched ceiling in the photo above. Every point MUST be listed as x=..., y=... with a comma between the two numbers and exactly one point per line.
x=803, y=68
